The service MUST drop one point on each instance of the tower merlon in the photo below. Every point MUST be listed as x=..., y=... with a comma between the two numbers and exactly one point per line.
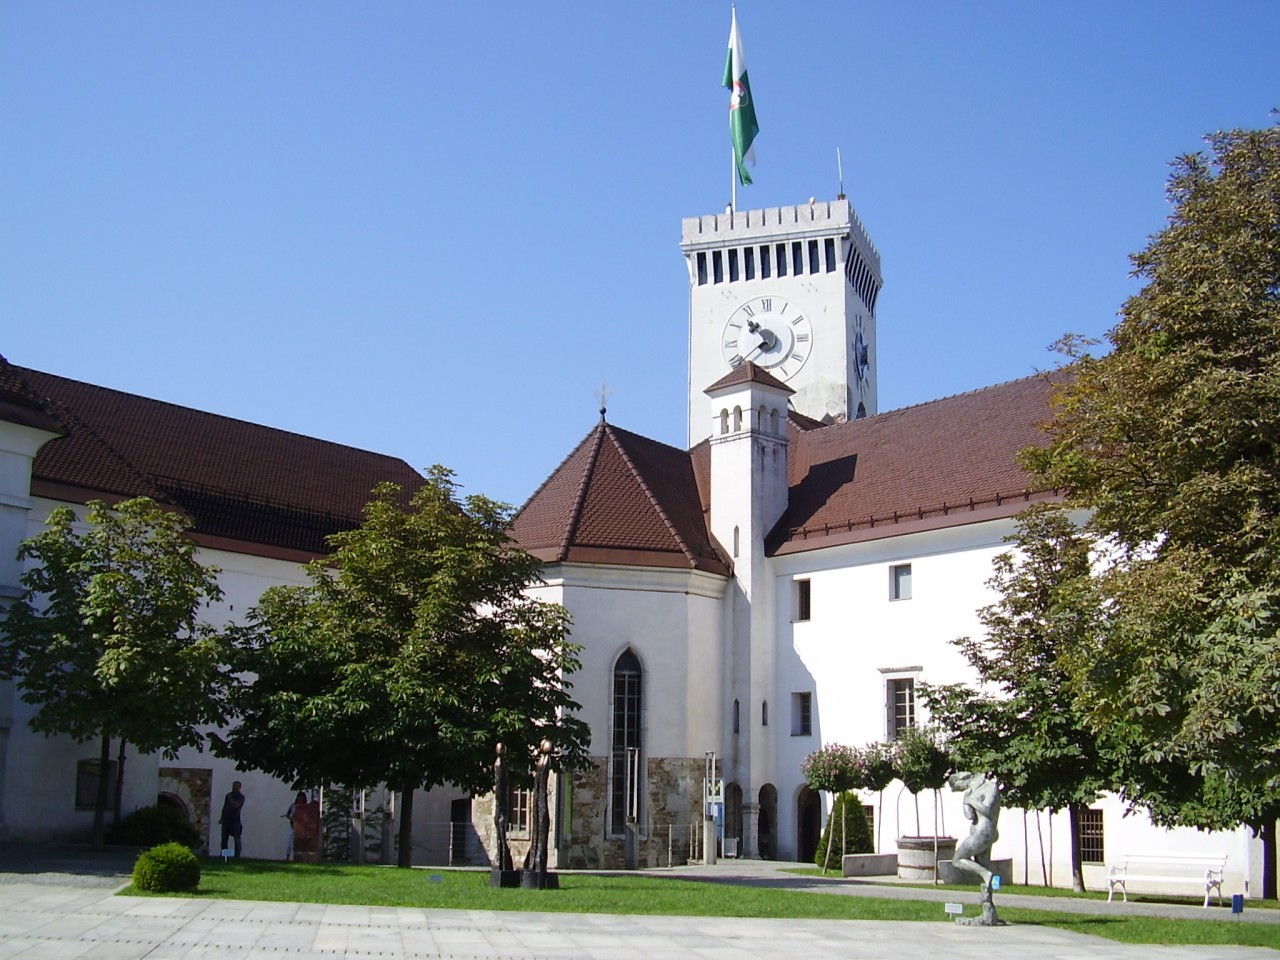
x=827, y=218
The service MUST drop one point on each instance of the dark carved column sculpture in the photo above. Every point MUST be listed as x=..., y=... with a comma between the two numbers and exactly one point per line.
x=536, y=875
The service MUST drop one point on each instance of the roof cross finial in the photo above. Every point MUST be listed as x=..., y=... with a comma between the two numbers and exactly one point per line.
x=604, y=393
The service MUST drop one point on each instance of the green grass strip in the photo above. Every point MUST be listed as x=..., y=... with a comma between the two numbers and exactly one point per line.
x=625, y=894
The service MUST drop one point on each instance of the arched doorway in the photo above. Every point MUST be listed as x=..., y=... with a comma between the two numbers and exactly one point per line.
x=174, y=802
x=808, y=824
x=460, y=832
x=766, y=830
x=733, y=816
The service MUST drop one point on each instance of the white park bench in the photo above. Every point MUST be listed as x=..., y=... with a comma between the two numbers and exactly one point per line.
x=1199, y=871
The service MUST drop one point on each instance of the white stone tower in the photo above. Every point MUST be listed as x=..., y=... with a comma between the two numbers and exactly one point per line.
x=792, y=289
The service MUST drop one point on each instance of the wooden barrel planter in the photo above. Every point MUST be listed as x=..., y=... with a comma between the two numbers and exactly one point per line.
x=916, y=856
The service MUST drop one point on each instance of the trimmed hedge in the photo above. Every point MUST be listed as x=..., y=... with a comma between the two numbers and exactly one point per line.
x=167, y=868
x=151, y=826
x=856, y=832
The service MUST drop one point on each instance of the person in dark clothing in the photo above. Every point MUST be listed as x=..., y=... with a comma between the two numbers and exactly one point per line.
x=230, y=819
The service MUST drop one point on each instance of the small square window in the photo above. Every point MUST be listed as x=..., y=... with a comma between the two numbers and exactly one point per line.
x=802, y=714
x=801, y=599
x=900, y=582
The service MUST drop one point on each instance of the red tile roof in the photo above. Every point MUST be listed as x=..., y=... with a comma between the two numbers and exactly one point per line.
x=748, y=372
x=620, y=498
x=944, y=463
x=236, y=480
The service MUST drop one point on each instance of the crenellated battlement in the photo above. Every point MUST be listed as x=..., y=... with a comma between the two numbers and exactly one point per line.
x=824, y=218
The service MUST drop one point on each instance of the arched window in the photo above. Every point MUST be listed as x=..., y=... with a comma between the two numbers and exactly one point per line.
x=773, y=423
x=764, y=713
x=626, y=780
x=724, y=422
x=762, y=420
x=737, y=419
x=737, y=540
x=737, y=716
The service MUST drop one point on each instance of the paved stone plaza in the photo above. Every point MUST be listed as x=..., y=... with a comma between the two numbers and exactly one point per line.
x=48, y=913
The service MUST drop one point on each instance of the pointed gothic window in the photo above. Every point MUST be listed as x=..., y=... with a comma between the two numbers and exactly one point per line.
x=625, y=780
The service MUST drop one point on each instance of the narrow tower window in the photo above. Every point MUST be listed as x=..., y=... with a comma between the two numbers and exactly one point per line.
x=623, y=761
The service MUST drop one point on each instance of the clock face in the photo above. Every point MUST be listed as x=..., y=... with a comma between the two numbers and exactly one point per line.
x=861, y=356
x=772, y=333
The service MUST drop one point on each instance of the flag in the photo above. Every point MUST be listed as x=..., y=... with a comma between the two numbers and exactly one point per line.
x=742, y=109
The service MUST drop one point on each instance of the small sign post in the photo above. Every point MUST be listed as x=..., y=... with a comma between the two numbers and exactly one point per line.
x=954, y=909
x=1237, y=904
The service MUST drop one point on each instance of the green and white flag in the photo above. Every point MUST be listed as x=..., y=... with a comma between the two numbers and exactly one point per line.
x=742, y=108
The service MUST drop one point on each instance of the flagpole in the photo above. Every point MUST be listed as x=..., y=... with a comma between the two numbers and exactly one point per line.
x=733, y=180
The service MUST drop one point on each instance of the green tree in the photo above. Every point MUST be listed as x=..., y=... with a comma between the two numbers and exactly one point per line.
x=836, y=769
x=877, y=773
x=105, y=640
x=1023, y=725
x=413, y=650
x=847, y=830
x=1172, y=441
x=921, y=763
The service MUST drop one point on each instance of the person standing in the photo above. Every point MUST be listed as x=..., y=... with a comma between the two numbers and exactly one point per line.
x=232, y=804
x=291, y=815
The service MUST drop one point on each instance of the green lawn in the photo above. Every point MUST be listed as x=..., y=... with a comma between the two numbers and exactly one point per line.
x=1032, y=890
x=589, y=893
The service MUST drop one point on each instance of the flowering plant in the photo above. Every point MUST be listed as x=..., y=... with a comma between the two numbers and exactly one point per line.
x=834, y=768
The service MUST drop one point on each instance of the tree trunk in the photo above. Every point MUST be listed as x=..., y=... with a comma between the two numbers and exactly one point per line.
x=831, y=828
x=404, y=857
x=1044, y=869
x=1267, y=833
x=1077, y=860
x=119, y=783
x=104, y=791
x=879, y=821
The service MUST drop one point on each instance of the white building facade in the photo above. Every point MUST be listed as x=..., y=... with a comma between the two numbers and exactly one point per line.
x=784, y=583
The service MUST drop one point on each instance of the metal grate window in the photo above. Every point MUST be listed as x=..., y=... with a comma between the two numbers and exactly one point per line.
x=626, y=734
x=519, y=805
x=87, y=784
x=1091, y=848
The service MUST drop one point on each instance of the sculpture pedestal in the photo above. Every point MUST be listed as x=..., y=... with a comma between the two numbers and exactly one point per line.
x=504, y=878
x=530, y=880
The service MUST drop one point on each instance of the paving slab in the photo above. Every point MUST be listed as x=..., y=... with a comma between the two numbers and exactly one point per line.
x=49, y=911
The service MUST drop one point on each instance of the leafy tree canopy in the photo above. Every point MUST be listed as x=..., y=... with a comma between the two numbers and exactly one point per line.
x=1172, y=441
x=411, y=653
x=106, y=641
x=1023, y=725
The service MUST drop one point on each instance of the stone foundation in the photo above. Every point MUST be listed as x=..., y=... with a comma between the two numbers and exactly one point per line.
x=672, y=803
x=192, y=787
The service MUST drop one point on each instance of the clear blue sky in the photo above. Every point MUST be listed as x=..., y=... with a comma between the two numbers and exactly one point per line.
x=433, y=229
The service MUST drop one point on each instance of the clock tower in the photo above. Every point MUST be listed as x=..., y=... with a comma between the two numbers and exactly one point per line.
x=792, y=289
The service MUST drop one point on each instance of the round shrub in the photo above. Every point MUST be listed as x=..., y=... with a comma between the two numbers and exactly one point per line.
x=167, y=868
x=150, y=826
x=854, y=835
